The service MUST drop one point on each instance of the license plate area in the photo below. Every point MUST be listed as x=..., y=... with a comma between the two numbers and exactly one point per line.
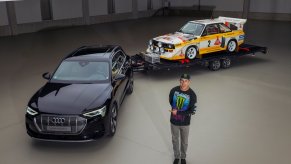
x=59, y=128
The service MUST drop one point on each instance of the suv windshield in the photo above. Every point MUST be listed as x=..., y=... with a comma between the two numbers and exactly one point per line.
x=192, y=28
x=82, y=71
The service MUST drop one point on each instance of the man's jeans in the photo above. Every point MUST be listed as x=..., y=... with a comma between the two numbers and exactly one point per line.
x=180, y=133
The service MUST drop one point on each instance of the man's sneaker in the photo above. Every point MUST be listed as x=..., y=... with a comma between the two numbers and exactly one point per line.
x=176, y=161
x=183, y=161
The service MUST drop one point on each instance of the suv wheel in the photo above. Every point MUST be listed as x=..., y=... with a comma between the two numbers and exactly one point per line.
x=112, y=121
x=130, y=87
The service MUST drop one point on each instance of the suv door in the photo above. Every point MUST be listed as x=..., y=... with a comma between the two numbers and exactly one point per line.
x=119, y=85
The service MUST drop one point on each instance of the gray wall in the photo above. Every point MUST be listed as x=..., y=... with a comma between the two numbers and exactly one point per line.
x=27, y=11
x=123, y=6
x=221, y=5
x=3, y=14
x=271, y=6
x=265, y=6
x=70, y=12
x=177, y=3
x=142, y=5
x=225, y=5
x=64, y=9
x=157, y=4
x=98, y=7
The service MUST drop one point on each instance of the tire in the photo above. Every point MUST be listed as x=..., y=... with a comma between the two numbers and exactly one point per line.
x=191, y=52
x=225, y=63
x=231, y=46
x=112, y=121
x=130, y=87
x=214, y=65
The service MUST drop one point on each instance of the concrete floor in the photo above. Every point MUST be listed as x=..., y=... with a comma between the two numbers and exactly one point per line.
x=243, y=112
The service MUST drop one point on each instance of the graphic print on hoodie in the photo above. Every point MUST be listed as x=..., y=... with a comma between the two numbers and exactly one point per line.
x=181, y=102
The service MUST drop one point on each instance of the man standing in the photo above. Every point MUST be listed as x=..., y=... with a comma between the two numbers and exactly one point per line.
x=182, y=100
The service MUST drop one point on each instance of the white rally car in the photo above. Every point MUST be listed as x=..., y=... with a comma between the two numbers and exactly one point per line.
x=197, y=38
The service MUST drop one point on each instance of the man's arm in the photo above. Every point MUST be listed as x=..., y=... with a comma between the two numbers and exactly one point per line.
x=171, y=96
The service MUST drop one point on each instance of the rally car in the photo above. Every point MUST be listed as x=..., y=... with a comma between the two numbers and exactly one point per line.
x=199, y=37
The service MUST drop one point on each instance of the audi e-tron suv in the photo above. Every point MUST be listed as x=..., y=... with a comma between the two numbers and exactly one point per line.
x=80, y=100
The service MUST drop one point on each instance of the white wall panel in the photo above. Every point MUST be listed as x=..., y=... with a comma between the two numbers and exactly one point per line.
x=142, y=5
x=271, y=6
x=27, y=11
x=65, y=9
x=123, y=6
x=3, y=14
x=98, y=7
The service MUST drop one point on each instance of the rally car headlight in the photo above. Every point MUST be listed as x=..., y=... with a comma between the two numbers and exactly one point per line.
x=171, y=46
x=100, y=111
x=30, y=111
x=162, y=50
x=156, y=50
x=150, y=42
x=160, y=44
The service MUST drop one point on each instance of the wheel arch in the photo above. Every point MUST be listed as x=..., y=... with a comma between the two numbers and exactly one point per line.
x=186, y=47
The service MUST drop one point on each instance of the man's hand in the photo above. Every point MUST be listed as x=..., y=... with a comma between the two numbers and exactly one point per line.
x=174, y=112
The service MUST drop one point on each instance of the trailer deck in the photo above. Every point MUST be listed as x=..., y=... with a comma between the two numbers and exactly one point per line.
x=213, y=61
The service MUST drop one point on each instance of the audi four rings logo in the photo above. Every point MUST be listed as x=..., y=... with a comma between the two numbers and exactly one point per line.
x=58, y=120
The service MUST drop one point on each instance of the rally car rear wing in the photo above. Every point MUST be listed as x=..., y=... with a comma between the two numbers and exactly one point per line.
x=233, y=22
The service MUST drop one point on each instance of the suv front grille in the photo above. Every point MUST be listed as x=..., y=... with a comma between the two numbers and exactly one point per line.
x=60, y=124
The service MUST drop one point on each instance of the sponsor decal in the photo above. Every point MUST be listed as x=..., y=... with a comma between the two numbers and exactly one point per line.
x=182, y=39
x=180, y=102
x=241, y=37
x=209, y=42
x=167, y=38
x=217, y=42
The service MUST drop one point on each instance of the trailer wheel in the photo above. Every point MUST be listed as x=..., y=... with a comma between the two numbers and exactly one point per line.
x=214, y=65
x=225, y=63
x=191, y=52
x=231, y=46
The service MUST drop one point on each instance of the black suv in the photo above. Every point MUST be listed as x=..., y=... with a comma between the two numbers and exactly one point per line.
x=81, y=99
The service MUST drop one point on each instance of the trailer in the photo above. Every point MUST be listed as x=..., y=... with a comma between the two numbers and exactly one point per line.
x=143, y=62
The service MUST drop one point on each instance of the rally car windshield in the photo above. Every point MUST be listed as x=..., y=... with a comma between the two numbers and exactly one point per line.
x=82, y=71
x=192, y=28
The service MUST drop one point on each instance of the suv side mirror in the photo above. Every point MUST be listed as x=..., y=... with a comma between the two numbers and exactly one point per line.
x=46, y=76
x=119, y=77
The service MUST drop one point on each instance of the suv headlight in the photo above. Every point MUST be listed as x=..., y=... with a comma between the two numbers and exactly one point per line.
x=31, y=111
x=160, y=44
x=100, y=111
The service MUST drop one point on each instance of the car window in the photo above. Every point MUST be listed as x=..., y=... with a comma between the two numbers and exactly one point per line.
x=192, y=28
x=82, y=71
x=223, y=28
x=117, y=62
x=211, y=29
